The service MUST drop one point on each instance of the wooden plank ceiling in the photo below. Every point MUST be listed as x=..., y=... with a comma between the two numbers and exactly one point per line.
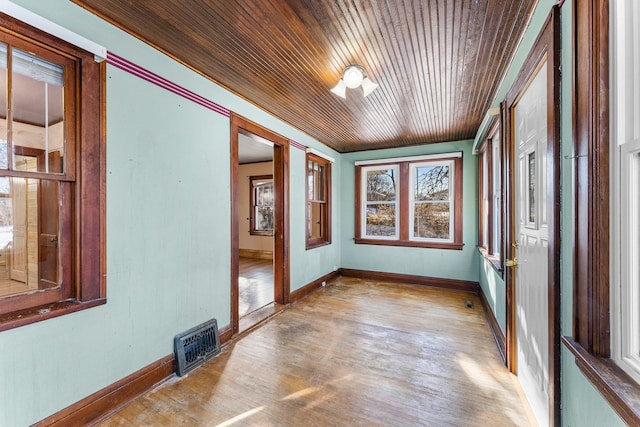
x=438, y=62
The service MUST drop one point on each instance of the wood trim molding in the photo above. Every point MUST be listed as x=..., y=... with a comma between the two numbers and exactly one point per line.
x=281, y=261
x=434, y=282
x=255, y=254
x=105, y=402
x=498, y=336
x=592, y=195
x=546, y=48
x=112, y=398
x=311, y=287
x=620, y=390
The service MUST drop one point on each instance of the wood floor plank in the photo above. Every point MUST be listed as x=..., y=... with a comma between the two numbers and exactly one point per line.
x=355, y=353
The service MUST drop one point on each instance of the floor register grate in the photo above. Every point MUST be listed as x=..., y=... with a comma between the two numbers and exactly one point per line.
x=196, y=346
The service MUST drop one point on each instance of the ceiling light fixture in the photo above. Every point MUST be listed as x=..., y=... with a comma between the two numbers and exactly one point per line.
x=352, y=77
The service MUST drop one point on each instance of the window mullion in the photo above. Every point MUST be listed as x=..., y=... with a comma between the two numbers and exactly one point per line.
x=403, y=214
x=9, y=107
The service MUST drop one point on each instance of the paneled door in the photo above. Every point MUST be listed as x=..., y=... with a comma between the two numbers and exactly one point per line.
x=532, y=238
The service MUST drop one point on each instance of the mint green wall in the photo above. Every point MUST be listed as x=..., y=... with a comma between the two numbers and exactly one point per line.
x=582, y=405
x=494, y=290
x=168, y=238
x=452, y=264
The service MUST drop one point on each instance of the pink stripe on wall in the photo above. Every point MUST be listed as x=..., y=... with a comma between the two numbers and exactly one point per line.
x=136, y=70
x=297, y=145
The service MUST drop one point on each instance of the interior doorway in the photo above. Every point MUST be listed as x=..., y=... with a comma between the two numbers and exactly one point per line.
x=532, y=123
x=259, y=206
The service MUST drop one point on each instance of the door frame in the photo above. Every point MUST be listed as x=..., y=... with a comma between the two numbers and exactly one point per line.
x=281, y=278
x=547, y=46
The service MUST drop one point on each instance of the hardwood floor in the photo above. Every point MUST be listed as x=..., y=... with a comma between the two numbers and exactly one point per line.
x=356, y=353
x=255, y=284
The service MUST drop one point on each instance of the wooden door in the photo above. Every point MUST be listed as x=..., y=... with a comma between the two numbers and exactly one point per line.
x=532, y=237
x=18, y=269
x=48, y=223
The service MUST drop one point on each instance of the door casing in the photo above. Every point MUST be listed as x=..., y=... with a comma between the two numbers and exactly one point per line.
x=281, y=280
x=547, y=45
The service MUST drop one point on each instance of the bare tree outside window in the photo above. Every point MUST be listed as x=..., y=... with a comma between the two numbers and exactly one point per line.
x=410, y=201
x=381, y=202
x=432, y=207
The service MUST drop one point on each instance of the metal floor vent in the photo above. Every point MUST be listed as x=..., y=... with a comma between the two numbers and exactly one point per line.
x=196, y=346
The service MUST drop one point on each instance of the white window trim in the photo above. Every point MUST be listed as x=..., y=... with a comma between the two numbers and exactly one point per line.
x=365, y=202
x=409, y=159
x=37, y=21
x=625, y=176
x=412, y=183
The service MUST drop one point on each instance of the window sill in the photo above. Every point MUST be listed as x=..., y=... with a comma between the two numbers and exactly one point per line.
x=316, y=245
x=49, y=311
x=495, y=263
x=409, y=244
x=261, y=233
x=620, y=390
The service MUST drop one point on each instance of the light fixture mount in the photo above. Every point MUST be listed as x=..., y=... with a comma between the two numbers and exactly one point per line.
x=354, y=76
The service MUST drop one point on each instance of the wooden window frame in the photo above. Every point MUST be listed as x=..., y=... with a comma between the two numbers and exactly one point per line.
x=252, y=206
x=489, y=250
x=325, y=226
x=82, y=185
x=403, y=210
x=591, y=340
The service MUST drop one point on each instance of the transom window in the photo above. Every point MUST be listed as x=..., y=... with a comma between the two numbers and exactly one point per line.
x=410, y=202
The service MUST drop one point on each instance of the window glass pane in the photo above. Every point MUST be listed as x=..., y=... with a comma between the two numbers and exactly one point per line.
x=432, y=182
x=3, y=107
x=315, y=181
x=497, y=199
x=432, y=220
x=381, y=219
x=38, y=111
x=264, y=218
x=319, y=187
x=314, y=214
x=532, y=186
x=29, y=249
x=381, y=185
x=310, y=180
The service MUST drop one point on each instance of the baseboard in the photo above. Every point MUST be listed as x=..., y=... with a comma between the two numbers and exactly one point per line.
x=298, y=294
x=498, y=336
x=434, y=282
x=111, y=398
x=225, y=334
x=253, y=253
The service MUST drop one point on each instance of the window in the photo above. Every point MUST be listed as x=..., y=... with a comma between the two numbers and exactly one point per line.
x=625, y=213
x=261, y=205
x=483, y=195
x=490, y=197
x=431, y=201
x=318, y=201
x=51, y=177
x=604, y=226
x=380, y=202
x=410, y=202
